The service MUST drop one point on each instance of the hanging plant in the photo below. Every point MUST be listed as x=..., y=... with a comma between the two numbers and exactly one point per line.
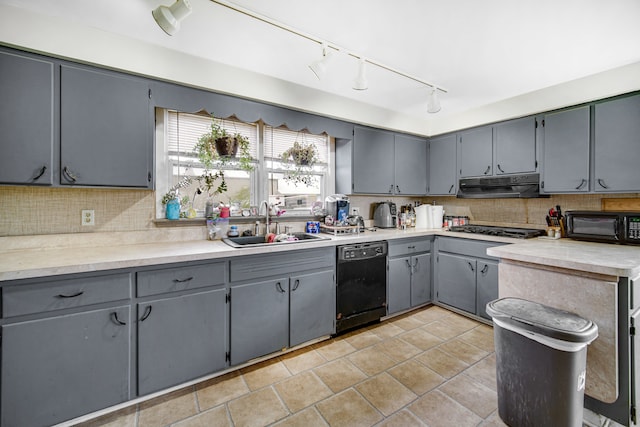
x=299, y=160
x=218, y=147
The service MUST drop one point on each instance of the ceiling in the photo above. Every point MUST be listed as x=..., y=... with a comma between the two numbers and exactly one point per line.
x=482, y=52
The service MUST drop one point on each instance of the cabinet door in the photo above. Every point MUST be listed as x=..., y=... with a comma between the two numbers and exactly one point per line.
x=420, y=279
x=410, y=165
x=457, y=281
x=399, y=285
x=372, y=161
x=26, y=119
x=487, y=286
x=515, y=146
x=442, y=166
x=566, y=151
x=617, y=142
x=259, y=319
x=180, y=339
x=105, y=130
x=62, y=367
x=313, y=306
x=476, y=152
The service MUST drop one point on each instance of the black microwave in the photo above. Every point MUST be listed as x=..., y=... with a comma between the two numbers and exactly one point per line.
x=600, y=226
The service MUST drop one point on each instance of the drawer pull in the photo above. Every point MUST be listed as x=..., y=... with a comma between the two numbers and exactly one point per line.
x=114, y=317
x=183, y=280
x=147, y=312
x=77, y=294
x=279, y=286
x=295, y=285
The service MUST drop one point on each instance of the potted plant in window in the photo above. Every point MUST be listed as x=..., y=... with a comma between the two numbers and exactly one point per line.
x=299, y=160
x=219, y=147
x=216, y=149
x=171, y=199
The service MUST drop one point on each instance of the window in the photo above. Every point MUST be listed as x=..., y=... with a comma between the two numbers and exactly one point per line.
x=297, y=188
x=272, y=179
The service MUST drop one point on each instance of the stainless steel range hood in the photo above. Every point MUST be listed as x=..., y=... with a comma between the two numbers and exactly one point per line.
x=500, y=187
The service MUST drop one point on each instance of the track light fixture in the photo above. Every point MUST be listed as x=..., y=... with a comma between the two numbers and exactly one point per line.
x=168, y=18
x=360, y=82
x=433, y=103
x=320, y=66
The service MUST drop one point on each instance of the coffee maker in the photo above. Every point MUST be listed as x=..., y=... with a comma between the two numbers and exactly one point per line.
x=337, y=205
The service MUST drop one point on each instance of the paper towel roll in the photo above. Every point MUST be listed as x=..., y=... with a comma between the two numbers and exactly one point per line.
x=423, y=216
x=437, y=213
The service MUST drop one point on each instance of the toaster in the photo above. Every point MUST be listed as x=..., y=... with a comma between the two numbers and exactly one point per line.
x=385, y=215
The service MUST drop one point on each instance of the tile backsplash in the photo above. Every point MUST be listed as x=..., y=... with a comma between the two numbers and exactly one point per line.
x=27, y=211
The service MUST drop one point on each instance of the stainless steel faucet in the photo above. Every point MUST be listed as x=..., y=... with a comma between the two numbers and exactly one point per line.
x=266, y=223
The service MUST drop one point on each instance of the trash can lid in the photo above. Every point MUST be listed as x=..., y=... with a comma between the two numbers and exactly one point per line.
x=542, y=319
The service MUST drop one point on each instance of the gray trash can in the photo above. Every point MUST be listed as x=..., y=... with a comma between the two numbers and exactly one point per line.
x=541, y=357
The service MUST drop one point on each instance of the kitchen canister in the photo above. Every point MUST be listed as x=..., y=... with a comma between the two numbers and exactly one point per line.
x=437, y=213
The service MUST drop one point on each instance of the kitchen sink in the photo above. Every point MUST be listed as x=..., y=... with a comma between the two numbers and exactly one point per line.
x=252, y=241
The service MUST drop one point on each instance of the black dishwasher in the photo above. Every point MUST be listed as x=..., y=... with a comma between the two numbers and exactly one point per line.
x=361, y=295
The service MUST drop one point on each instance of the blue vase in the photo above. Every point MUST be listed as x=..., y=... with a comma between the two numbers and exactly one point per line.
x=173, y=209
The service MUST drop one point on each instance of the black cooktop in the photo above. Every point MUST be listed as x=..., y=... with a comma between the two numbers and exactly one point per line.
x=518, y=233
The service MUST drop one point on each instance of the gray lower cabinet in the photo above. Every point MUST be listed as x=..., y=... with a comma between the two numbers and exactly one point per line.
x=442, y=166
x=565, y=165
x=275, y=314
x=181, y=338
x=280, y=300
x=61, y=367
x=409, y=283
x=466, y=277
x=27, y=85
x=105, y=129
x=616, y=140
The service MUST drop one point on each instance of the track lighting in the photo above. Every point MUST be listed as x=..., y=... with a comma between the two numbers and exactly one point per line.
x=168, y=18
x=360, y=82
x=433, y=103
x=320, y=66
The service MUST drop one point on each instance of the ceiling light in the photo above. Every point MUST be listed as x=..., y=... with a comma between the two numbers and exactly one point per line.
x=320, y=66
x=168, y=18
x=361, y=83
x=433, y=103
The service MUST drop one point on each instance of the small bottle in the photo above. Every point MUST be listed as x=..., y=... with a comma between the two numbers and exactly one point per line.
x=233, y=231
x=256, y=228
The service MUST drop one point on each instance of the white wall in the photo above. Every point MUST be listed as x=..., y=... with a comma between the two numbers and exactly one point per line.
x=75, y=41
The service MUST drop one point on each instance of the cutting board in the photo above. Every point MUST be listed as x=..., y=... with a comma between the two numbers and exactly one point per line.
x=624, y=205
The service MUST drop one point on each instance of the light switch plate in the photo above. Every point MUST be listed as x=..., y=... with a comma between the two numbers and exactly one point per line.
x=88, y=217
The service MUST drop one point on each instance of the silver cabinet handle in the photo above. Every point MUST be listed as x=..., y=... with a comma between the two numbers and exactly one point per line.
x=471, y=266
x=451, y=188
x=69, y=176
x=485, y=269
x=488, y=169
x=602, y=184
x=147, y=312
x=114, y=318
x=582, y=183
x=77, y=294
x=296, y=284
x=188, y=279
x=279, y=287
x=42, y=171
x=500, y=169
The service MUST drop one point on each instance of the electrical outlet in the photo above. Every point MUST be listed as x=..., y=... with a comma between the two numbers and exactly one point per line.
x=88, y=217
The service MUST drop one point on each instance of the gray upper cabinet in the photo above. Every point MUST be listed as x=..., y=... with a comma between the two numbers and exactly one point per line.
x=565, y=164
x=476, y=152
x=106, y=137
x=180, y=339
x=442, y=166
x=373, y=154
x=27, y=119
x=617, y=145
x=381, y=162
x=515, y=146
x=410, y=162
x=503, y=148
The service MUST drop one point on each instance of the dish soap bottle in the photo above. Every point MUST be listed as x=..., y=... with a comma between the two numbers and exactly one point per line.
x=233, y=231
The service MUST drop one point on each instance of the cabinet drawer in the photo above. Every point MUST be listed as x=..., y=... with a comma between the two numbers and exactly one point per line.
x=474, y=248
x=60, y=294
x=284, y=263
x=408, y=247
x=180, y=278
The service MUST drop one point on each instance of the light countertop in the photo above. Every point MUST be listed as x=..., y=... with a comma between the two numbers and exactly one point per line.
x=41, y=256
x=602, y=258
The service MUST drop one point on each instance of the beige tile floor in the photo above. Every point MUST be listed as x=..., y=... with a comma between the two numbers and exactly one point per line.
x=430, y=367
